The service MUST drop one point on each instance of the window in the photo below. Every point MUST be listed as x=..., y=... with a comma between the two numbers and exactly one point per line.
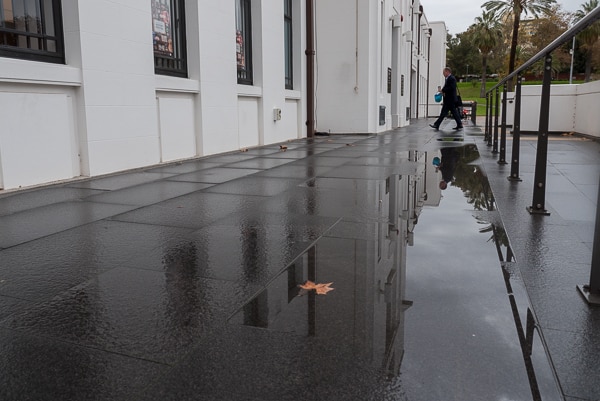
x=32, y=30
x=287, y=34
x=243, y=41
x=168, y=34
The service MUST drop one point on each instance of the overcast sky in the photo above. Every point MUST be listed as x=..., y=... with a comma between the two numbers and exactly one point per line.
x=460, y=14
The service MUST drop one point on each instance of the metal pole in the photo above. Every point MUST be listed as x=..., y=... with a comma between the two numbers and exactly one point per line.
x=591, y=292
x=516, y=142
x=541, y=158
x=502, y=159
x=572, y=57
x=474, y=112
x=496, y=123
x=491, y=105
x=487, y=113
x=310, y=70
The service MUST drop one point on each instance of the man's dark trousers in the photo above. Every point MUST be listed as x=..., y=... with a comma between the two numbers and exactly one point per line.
x=445, y=108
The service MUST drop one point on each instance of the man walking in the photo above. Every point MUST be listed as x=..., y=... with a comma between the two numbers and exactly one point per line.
x=450, y=100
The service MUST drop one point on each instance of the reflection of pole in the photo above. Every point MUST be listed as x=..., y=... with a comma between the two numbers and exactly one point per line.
x=592, y=291
x=312, y=296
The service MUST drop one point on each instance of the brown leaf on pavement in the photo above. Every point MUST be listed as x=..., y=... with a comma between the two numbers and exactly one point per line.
x=322, y=289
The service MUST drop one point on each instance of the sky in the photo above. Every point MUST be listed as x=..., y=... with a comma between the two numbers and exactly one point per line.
x=462, y=13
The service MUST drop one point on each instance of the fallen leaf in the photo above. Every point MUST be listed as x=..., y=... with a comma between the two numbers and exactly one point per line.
x=319, y=288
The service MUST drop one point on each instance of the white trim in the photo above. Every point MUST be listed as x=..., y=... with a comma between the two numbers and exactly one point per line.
x=165, y=83
x=36, y=72
x=292, y=94
x=249, y=91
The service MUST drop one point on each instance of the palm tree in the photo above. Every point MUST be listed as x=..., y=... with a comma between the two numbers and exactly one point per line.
x=503, y=8
x=588, y=36
x=486, y=34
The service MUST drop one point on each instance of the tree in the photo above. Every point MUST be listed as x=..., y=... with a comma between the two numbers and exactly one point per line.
x=515, y=8
x=462, y=52
x=486, y=35
x=589, y=36
x=536, y=34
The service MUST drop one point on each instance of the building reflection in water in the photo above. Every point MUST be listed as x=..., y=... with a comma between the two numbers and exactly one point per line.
x=365, y=312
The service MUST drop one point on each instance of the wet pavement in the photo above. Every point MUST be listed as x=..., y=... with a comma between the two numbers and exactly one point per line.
x=182, y=281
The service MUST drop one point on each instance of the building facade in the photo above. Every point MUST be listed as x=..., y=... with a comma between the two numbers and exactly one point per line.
x=92, y=88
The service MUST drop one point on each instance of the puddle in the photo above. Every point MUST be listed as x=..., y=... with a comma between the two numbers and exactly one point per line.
x=430, y=296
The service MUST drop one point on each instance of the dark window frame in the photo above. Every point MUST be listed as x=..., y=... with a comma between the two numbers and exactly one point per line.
x=175, y=64
x=243, y=28
x=43, y=35
x=289, y=43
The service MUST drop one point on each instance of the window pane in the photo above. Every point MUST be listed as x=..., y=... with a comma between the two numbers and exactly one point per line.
x=7, y=14
x=243, y=42
x=48, y=18
x=168, y=33
x=287, y=32
x=32, y=16
x=36, y=23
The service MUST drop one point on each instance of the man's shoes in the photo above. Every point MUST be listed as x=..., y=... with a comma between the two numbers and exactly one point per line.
x=458, y=128
x=435, y=127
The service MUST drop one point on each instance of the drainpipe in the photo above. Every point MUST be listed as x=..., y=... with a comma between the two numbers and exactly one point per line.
x=428, y=70
x=310, y=71
x=412, y=45
x=419, y=58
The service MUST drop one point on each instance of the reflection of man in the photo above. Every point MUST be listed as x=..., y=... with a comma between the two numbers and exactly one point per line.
x=448, y=164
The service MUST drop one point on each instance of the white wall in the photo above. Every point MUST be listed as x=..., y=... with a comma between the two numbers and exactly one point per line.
x=437, y=64
x=106, y=110
x=118, y=97
x=353, y=62
x=573, y=108
x=587, y=117
x=342, y=97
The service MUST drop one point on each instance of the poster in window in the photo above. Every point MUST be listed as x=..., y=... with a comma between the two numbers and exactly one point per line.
x=162, y=30
x=239, y=48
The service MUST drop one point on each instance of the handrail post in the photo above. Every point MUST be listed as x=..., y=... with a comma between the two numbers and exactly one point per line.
x=541, y=158
x=502, y=159
x=491, y=105
x=591, y=292
x=516, y=138
x=487, y=114
x=496, y=122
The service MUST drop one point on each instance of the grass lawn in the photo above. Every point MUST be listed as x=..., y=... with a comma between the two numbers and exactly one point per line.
x=470, y=91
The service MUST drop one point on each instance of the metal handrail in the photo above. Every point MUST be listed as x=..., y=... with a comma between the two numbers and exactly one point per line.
x=583, y=23
x=591, y=291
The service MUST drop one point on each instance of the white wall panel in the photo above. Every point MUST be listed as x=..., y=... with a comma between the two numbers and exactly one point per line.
x=37, y=139
x=177, y=127
x=587, y=117
x=290, y=120
x=248, y=120
x=118, y=100
x=123, y=154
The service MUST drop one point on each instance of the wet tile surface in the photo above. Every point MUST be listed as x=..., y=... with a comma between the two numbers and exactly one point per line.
x=45, y=369
x=36, y=223
x=182, y=281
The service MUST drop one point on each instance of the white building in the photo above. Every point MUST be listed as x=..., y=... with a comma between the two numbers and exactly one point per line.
x=95, y=87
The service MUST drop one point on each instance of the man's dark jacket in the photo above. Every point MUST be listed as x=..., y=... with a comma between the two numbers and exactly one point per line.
x=449, y=91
